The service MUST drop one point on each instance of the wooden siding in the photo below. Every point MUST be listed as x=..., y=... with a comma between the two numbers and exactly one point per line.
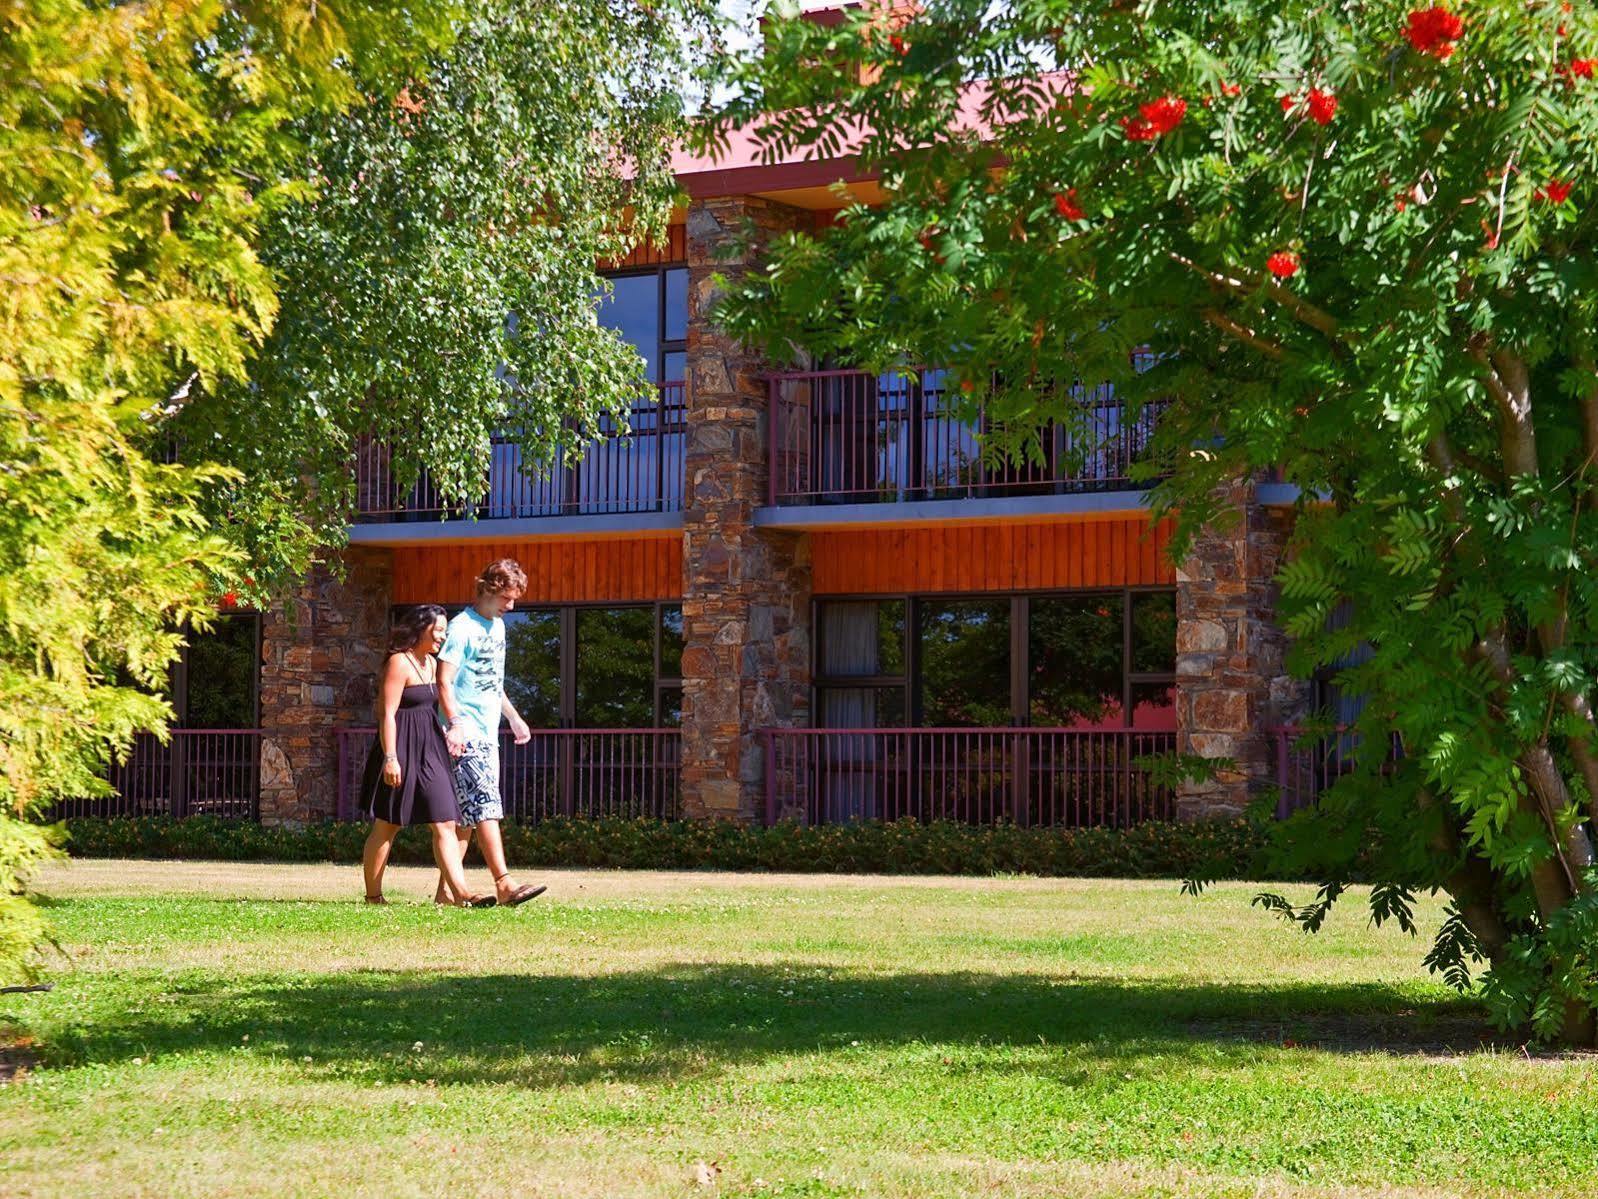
x=558, y=572
x=674, y=251
x=1009, y=557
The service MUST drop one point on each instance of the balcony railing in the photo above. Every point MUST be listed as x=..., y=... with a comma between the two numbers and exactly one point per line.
x=594, y=773
x=199, y=772
x=1307, y=765
x=1052, y=778
x=640, y=470
x=852, y=437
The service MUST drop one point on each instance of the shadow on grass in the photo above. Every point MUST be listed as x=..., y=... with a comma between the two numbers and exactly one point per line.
x=686, y=1021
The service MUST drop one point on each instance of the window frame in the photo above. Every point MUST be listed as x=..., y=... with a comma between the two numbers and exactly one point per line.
x=910, y=682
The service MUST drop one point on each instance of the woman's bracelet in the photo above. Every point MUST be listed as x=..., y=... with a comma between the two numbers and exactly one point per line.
x=391, y=758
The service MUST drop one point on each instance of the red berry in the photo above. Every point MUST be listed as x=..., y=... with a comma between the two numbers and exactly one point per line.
x=1555, y=191
x=1322, y=106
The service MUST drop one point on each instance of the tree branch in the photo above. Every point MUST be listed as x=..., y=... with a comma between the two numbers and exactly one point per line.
x=1243, y=334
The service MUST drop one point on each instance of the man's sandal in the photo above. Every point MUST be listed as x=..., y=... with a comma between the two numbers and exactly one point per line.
x=523, y=893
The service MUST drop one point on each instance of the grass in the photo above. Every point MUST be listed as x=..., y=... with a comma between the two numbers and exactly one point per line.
x=247, y=1030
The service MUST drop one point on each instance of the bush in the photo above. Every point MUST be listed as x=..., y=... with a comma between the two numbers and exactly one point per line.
x=1212, y=850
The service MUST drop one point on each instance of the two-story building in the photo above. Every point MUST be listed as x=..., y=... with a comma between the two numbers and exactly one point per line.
x=783, y=593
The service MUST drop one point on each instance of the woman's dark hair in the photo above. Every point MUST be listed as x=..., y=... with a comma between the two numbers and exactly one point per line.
x=408, y=629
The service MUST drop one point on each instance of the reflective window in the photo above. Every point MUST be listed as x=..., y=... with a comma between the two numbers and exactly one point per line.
x=1074, y=661
x=532, y=665
x=615, y=668
x=965, y=663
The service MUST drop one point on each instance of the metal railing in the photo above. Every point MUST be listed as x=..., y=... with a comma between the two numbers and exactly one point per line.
x=198, y=772
x=1308, y=764
x=594, y=773
x=853, y=437
x=1052, y=778
x=639, y=470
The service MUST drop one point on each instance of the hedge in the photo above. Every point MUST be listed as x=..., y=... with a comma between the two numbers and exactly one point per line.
x=1230, y=849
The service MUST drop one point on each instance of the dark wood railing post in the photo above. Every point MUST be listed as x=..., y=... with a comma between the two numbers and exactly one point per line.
x=178, y=778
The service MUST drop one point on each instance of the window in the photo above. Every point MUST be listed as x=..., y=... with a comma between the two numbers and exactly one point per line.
x=1078, y=660
x=216, y=682
x=650, y=309
x=616, y=667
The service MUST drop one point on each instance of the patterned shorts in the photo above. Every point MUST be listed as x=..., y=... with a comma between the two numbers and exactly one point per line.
x=477, y=783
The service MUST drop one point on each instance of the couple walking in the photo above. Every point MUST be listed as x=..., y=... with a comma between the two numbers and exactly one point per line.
x=446, y=775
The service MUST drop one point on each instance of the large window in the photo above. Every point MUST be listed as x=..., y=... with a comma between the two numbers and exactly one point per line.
x=595, y=667
x=1080, y=660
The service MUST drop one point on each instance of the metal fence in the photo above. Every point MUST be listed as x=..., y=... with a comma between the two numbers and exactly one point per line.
x=1052, y=778
x=595, y=773
x=198, y=772
x=637, y=470
x=853, y=437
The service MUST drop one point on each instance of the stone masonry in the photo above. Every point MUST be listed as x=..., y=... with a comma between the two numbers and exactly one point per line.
x=1232, y=684
x=746, y=606
x=321, y=652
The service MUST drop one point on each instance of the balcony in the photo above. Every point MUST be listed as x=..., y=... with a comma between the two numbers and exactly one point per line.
x=847, y=438
x=620, y=474
x=1049, y=778
x=619, y=774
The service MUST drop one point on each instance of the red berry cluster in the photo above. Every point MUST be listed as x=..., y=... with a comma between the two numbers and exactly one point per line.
x=1433, y=31
x=1283, y=264
x=1321, y=105
x=1156, y=118
x=1065, y=204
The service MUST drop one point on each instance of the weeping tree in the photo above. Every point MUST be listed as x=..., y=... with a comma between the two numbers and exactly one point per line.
x=1359, y=240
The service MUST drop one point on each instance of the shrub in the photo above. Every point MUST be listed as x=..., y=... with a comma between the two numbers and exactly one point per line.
x=1212, y=850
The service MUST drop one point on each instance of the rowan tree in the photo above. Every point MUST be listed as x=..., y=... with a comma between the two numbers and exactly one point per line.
x=1358, y=241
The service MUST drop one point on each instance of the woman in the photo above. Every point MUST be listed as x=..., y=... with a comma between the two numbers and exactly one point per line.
x=408, y=777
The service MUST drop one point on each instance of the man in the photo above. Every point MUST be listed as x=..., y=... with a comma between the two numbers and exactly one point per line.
x=471, y=691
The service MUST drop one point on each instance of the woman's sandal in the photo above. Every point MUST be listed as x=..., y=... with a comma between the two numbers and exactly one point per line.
x=480, y=901
x=377, y=901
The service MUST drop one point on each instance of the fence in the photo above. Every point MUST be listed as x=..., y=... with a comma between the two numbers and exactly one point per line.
x=1053, y=778
x=596, y=773
x=199, y=772
x=639, y=470
x=852, y=437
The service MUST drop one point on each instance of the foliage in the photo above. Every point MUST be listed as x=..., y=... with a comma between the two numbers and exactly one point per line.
x=436, y=263
x=233, y=234
x=1221, y=849
x=1359, y=240
x=140, y=146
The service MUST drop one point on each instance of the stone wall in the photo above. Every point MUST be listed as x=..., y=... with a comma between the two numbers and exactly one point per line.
x=1232, y=685
x=746, y=597
x=321, y=652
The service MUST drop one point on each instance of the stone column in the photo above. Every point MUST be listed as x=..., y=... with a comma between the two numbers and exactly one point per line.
x=746, y=591
x=1232, y=684
x=321, y=652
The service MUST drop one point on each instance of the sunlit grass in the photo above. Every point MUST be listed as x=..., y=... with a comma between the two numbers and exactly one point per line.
x=249, y=1030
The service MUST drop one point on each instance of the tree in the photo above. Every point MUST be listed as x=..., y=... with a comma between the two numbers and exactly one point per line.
x=437, y=268
x=221, y=224
x=1359, y=240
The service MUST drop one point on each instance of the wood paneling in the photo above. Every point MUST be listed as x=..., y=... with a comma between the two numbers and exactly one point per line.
x=674, y=251
x=1019, y=557
x=558, y=572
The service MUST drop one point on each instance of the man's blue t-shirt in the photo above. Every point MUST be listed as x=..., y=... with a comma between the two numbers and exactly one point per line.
x=476, y=648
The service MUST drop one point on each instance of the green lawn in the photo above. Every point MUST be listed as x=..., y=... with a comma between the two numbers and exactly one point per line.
x=247, y=1030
